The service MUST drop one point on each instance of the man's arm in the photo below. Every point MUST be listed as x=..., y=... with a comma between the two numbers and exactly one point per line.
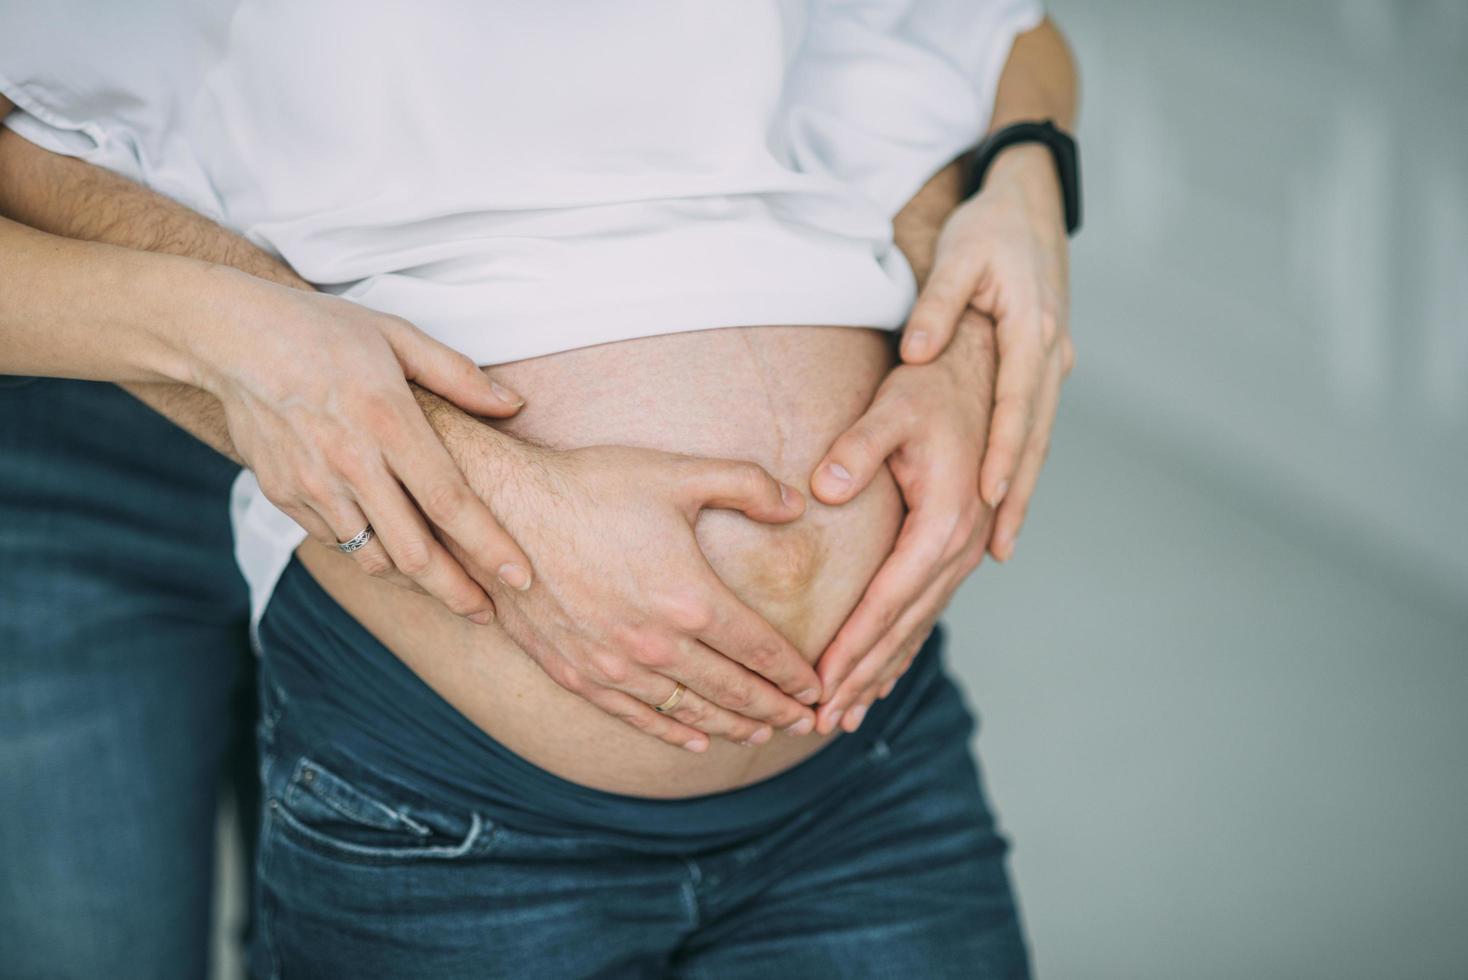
x=69, y=197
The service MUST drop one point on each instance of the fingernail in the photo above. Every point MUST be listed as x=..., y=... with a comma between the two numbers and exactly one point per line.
x=482, y=618
x=695, y=745
x=514, y=576
x=914, y=343
x=760, y=737
x=837, y=472
x=854, y=717
x=999, y=493
x=808, y=696
x=801, y=727
x=506, y=395
x=785, y=497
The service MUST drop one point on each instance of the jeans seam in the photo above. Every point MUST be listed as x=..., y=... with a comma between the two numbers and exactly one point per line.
x=262, y=875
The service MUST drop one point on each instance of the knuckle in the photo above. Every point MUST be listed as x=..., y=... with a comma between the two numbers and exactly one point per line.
x=378, y=413
x=655, y=656
x=760, y=659
x=886, y=619
x=571, y=679
x=737, y=697
x=278, y=492
x=1049, y=328
x=903, y=407
x=443, y=502
x=862, y=441
x=694, y=711
x=635, y=718
x=414, y=558
x=313, y=485
x=347, y=460
x=375, y=563
x=688, y=610
x=752, y=479
x=965, y=524
x=462, y=603
x=610, y=668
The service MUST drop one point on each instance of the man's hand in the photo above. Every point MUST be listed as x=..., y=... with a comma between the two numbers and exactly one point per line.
x=625, y=604
x=927, y=423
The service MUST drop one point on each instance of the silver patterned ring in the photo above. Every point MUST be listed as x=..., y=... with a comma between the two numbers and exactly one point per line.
x=357, y=540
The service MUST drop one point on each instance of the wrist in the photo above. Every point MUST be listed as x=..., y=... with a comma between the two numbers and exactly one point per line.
x=1028, y=168
x=490, y=460
x=211, y=312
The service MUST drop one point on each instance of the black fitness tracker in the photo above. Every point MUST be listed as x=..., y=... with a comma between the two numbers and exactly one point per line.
x=1062, y=149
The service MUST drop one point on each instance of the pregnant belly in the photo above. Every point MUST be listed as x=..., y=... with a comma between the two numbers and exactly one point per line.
x=775, y=395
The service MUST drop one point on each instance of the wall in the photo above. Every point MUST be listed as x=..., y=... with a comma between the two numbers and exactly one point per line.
x=1225, y=682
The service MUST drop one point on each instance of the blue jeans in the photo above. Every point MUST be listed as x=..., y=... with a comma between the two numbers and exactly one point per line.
x=125, y=687
x=373, y=868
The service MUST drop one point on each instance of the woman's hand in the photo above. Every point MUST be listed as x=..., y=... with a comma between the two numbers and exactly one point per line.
x=316, y=393
x=625, y=605
x=1004, y=254
x=927, y=423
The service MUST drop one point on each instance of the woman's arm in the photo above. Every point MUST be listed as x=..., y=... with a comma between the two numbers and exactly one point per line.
x=1000, y=259
x=1004, y=254
x=331, y=454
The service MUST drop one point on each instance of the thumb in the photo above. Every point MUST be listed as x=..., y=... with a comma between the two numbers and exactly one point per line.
x=451, y=375
x=857, y=454
x=935, y=314
x=726, y=484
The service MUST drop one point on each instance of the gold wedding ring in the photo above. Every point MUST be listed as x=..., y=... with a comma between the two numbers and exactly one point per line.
x=673, y=700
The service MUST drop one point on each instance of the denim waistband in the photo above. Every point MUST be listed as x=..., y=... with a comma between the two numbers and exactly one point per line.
x=331, y=688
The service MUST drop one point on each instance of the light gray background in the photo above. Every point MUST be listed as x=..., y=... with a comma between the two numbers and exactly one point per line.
x=1224, y=685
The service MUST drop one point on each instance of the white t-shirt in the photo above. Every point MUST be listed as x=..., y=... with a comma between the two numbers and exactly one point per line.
x=529, y=176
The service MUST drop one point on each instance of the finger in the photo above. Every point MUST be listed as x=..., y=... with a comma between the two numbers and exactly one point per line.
x=739, y=690
x=739, y=633
x=346, y=521
x=418, y=554
x=449, y=374
x=725, y=484
x=446, y=499
x=853, y=718
x=903, y=577
x=311, y=522
x=859, y=452
x=1011, y=515
x=640, y=716
x=1022, y=366
x=935, y=315
x=885, y=661
x=320, y=531
x=696, y=711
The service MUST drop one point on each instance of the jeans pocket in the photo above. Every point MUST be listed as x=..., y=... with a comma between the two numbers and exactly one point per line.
x=349, y=819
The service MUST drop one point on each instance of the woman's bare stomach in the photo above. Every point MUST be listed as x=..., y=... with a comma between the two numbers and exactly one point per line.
x=775, y=395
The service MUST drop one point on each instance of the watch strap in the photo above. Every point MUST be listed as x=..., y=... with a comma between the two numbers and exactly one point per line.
x=1062, y=150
